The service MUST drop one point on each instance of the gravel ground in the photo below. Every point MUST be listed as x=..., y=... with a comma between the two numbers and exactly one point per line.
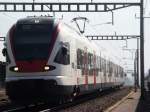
x=3, y=95
x=3, y=98
x=96, y=105
x=101, y=103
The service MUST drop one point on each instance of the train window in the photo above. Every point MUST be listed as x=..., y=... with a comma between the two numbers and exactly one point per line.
x=117, y=70
x=63, y=55
x=107, y=64
x=104, y=67
x=79, y=59
x=100, y=64
x=110, y=68
x=97, y=65
x=90, y=63
x=37, y=33
x=121, y=72
x=83, y=61
x=32, y=41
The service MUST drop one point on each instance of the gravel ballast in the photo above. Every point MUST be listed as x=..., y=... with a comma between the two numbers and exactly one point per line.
x=101, y=103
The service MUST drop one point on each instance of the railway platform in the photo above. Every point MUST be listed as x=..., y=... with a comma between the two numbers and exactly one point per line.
x=132, y=103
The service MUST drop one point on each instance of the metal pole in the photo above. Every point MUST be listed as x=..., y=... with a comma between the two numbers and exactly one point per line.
x=142, y=48
x=135, y=74
x=137, y=62
x=112, y=18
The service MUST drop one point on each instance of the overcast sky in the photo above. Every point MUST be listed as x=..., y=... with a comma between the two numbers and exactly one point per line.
x=124, y=23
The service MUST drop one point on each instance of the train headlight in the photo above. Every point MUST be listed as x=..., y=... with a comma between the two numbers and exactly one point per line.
x=16, y=69
x=46, y=68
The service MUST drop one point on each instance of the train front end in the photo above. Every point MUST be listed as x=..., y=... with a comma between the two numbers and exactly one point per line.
x=29, y=45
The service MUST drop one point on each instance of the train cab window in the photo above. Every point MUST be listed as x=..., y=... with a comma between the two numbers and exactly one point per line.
x=63, y=55
x=32, y=41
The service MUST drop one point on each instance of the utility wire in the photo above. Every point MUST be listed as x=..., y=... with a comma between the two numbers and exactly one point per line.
x=111, y=45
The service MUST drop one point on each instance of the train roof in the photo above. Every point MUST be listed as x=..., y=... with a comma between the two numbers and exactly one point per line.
x=100, y=50
x=48, y=20
x=36, y=20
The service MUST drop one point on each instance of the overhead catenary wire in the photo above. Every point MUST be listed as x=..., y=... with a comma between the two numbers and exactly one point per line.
x=110, y=44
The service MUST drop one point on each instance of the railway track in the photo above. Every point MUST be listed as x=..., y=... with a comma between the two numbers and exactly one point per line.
x=45, y=107
x=25, y=108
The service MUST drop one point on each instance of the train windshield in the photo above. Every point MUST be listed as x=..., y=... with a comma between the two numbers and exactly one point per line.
x=31, y=41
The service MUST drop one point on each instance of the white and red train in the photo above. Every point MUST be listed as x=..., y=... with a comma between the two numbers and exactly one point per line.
x=48, y=58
